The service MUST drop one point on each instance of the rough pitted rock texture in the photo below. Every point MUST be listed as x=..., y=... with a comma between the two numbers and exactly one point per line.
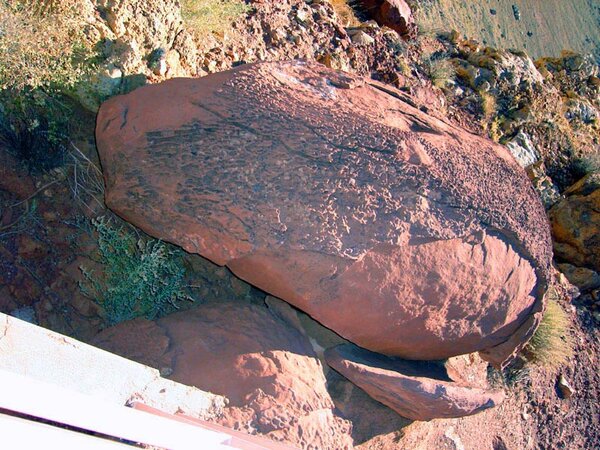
x=402, y=233
x=414, y=389
x=268, y=370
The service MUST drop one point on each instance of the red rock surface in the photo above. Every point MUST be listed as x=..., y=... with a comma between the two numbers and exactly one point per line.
x=395, y=14
x=402, y=233
x=415, y=390
x=267, y=370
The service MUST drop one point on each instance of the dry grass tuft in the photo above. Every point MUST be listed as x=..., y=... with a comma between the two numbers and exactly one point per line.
x=212, y=16
x=439, y=71
x=344, y=10
x=552, y=344
x=42, y=44
x=489, y=106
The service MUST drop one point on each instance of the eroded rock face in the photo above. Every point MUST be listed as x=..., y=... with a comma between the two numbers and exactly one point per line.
x=415, y=390
x=268, y=370
x=403, y=234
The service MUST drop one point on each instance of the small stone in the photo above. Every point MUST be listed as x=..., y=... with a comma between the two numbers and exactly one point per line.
x=565, y=388
x=160, y=68
x=485, y=86
x=582, y=277
x=493, y=12
x=523, y=149
x=166, y=371
x=301, y=15
x=362, y=38
x=516, y=12
x=211, y=66
x=454, y=37
x=50, y=216
x=26, y=313
x=413, y=389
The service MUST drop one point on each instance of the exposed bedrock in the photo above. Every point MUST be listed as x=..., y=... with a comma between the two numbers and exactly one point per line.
x=404, y=234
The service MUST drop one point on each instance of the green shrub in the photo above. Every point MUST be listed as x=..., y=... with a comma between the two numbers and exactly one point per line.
x=212, y=16
x=140, y=277
x=552, y=344
x=42, y=45
x=511, y=377
x=43, y=55
x=34, y=128
x=582, y=166
x=489, y=106
x=439, y=70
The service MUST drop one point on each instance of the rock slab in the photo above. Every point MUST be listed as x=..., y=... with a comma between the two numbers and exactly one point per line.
x=415, y=390
x=404, y=234
x=268, y=370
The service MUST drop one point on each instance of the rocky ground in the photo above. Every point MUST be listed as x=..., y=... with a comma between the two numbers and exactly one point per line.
x=46, y=235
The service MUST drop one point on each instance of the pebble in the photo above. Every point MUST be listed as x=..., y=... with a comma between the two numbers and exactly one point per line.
x=565, y=387
x=361, y=37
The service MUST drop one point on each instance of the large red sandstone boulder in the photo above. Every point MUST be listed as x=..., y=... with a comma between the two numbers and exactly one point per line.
x=414, y=389
x=267, y=369
x=404, y=234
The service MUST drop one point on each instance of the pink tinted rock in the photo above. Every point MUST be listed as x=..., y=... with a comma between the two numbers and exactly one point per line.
x=400, y=232
x=415, y=390
x=395, y=14
x=140, y=339
x=268, y=370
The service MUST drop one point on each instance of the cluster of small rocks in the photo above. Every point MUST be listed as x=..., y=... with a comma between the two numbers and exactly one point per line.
x=545, y=111
x=139, y=48
x=575, y=222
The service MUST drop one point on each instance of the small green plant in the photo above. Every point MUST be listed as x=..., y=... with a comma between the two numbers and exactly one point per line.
x=140, y=277
x=495, y=129
x=582, y=166
x=42, y=44
x=34, y=128
x=511, y=377
x=552, y=344
x=212, y=16
x=439, y=71
x=43, y=55
x=489, y=106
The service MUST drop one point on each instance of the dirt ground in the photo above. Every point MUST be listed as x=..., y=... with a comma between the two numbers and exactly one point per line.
x=545, y=27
